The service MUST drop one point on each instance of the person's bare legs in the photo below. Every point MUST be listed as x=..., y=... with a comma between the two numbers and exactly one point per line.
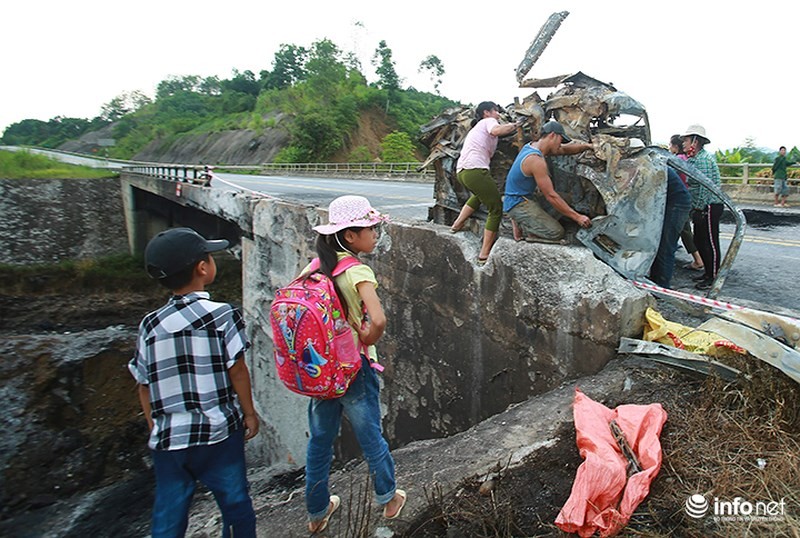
x=466, y=212
x=489, y=238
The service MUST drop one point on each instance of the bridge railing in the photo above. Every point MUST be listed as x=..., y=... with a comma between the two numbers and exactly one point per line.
x=746, y=173
x=395, y=171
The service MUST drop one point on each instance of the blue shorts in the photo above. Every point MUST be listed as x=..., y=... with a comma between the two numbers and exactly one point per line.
x=781, y=187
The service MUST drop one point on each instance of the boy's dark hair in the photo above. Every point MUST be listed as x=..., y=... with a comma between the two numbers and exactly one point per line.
x=182, y=277
x=677, y=141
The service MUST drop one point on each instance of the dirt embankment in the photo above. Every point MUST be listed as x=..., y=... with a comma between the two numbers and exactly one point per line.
x=72, y=422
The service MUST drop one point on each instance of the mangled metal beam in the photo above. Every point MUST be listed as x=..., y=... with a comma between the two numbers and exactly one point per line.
x=757, y=344
x=679, y=358
x=537, y=46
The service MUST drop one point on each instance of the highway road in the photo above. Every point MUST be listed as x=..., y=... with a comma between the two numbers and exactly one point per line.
x=402, y=200
x=766, y=270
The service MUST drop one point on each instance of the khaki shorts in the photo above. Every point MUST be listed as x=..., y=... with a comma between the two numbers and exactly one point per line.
x=534, y=220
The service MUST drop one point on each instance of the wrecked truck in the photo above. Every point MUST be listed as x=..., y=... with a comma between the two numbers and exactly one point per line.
x=621, y=184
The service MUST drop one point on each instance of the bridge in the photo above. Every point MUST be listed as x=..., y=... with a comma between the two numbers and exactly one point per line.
x=463, y=342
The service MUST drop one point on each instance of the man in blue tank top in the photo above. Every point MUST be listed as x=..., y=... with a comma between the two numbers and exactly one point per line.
x=528, y=173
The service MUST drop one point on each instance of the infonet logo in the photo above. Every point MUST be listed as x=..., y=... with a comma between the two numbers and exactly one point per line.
x=697, y=507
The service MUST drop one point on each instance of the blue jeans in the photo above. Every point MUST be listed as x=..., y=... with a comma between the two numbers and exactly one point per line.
x=676, y=213
x=221, y=468
x=361, y=404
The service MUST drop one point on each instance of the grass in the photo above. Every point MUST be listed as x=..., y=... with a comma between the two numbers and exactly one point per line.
x=27, y=165
x=118, y=273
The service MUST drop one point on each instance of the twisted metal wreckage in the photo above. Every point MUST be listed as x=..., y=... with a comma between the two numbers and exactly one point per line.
x=621, y=185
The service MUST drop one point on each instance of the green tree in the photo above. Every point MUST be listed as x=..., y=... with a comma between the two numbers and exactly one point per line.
x=433, y=65
x=384, y=67
x=124, y=103
x=288, y=68
x=242, y=83
x=397, y=147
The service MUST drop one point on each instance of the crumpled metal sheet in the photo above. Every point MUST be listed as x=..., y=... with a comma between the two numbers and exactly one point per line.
x=679, y=358
x=621, y=184
x=758, y=345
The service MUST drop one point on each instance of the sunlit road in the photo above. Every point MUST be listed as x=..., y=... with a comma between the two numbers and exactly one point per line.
x=406, y=201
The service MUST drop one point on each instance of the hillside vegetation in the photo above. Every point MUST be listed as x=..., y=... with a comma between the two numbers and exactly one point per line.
x=316, y=95
x=27, y=165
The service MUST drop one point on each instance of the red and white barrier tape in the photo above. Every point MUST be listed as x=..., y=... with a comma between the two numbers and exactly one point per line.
x=699, y=299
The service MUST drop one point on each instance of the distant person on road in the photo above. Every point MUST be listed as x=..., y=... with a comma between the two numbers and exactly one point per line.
x=706, y=206
x=687, y=236
x=194, y=388
x=781, y=184
x=529, y=173
x=352, y=228
x=472, y=169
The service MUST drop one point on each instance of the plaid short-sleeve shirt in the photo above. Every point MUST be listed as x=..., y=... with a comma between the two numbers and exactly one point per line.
x=183, y=354
x=701, y=196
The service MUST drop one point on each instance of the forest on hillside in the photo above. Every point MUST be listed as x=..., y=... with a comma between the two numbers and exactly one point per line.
x=320, y=88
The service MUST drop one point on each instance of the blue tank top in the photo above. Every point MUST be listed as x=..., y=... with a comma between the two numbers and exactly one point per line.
x=518, y=185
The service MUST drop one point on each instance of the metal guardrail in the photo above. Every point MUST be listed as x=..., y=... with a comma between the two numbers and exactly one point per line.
x=408, y=170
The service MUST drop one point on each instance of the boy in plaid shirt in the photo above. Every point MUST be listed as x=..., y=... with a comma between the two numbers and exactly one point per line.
x=194, y=388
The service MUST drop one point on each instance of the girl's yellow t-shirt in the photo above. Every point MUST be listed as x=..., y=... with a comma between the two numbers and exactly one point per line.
x=347, y=283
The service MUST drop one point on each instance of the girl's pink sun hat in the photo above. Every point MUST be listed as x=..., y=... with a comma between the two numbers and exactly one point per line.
x=350, y=212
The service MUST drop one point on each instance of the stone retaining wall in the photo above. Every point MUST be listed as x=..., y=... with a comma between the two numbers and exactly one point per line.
x=49, y=220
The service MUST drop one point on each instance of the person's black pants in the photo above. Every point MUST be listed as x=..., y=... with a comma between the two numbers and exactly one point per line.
x=706, y=237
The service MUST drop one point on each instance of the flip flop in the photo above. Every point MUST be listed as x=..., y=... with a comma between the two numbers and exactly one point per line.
x=482, y=261
x=334, y=505
x=397, y=514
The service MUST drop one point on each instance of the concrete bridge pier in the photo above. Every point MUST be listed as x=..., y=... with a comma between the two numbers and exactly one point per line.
x=463, y=342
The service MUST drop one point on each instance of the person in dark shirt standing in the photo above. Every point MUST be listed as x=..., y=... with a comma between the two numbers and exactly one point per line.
x=781, y=185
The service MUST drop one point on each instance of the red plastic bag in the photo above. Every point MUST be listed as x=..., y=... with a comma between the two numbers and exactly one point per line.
x=603, y=497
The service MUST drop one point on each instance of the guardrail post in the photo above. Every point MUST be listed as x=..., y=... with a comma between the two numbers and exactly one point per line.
x=746, y=173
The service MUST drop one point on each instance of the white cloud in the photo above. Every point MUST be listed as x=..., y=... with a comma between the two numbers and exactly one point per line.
x=728, y=68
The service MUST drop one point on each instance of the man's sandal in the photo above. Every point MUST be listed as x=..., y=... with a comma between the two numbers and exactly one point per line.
x=323, y=523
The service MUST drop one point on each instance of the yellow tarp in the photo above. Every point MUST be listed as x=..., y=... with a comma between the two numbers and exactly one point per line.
x=658, y=329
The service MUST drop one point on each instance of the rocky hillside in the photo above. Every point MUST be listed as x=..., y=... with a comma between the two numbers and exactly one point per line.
x=241, y=146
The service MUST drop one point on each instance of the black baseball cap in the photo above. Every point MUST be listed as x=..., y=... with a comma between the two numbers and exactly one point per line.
x=553, y=126
x=173, y=250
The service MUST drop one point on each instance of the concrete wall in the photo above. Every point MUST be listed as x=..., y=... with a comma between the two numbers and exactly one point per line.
x=756, y=193
x=462, y=342
x=48, y=220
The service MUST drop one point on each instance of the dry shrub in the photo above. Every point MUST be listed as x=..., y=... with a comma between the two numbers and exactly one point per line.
x=730, y=440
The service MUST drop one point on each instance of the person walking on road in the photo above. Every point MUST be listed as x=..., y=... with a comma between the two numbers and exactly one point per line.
x=472, y=170
x=781, y=184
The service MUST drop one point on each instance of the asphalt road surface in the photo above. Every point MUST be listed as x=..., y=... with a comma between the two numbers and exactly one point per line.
x=765, y=272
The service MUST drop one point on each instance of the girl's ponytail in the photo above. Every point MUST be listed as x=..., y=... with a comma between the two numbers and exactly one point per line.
x=327, y=252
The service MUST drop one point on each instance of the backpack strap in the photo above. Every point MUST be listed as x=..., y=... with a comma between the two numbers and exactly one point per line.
x=343, y=265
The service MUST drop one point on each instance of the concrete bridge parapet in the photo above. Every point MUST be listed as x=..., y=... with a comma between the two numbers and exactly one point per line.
x=463, y=342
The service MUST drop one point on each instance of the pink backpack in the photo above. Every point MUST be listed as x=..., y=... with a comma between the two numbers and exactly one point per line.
x=315, y=354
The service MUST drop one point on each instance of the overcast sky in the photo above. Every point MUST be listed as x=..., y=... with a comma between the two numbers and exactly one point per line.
x=730, y=67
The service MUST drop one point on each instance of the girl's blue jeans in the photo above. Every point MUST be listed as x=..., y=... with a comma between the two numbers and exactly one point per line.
x=221, y=467
x=361, y=405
